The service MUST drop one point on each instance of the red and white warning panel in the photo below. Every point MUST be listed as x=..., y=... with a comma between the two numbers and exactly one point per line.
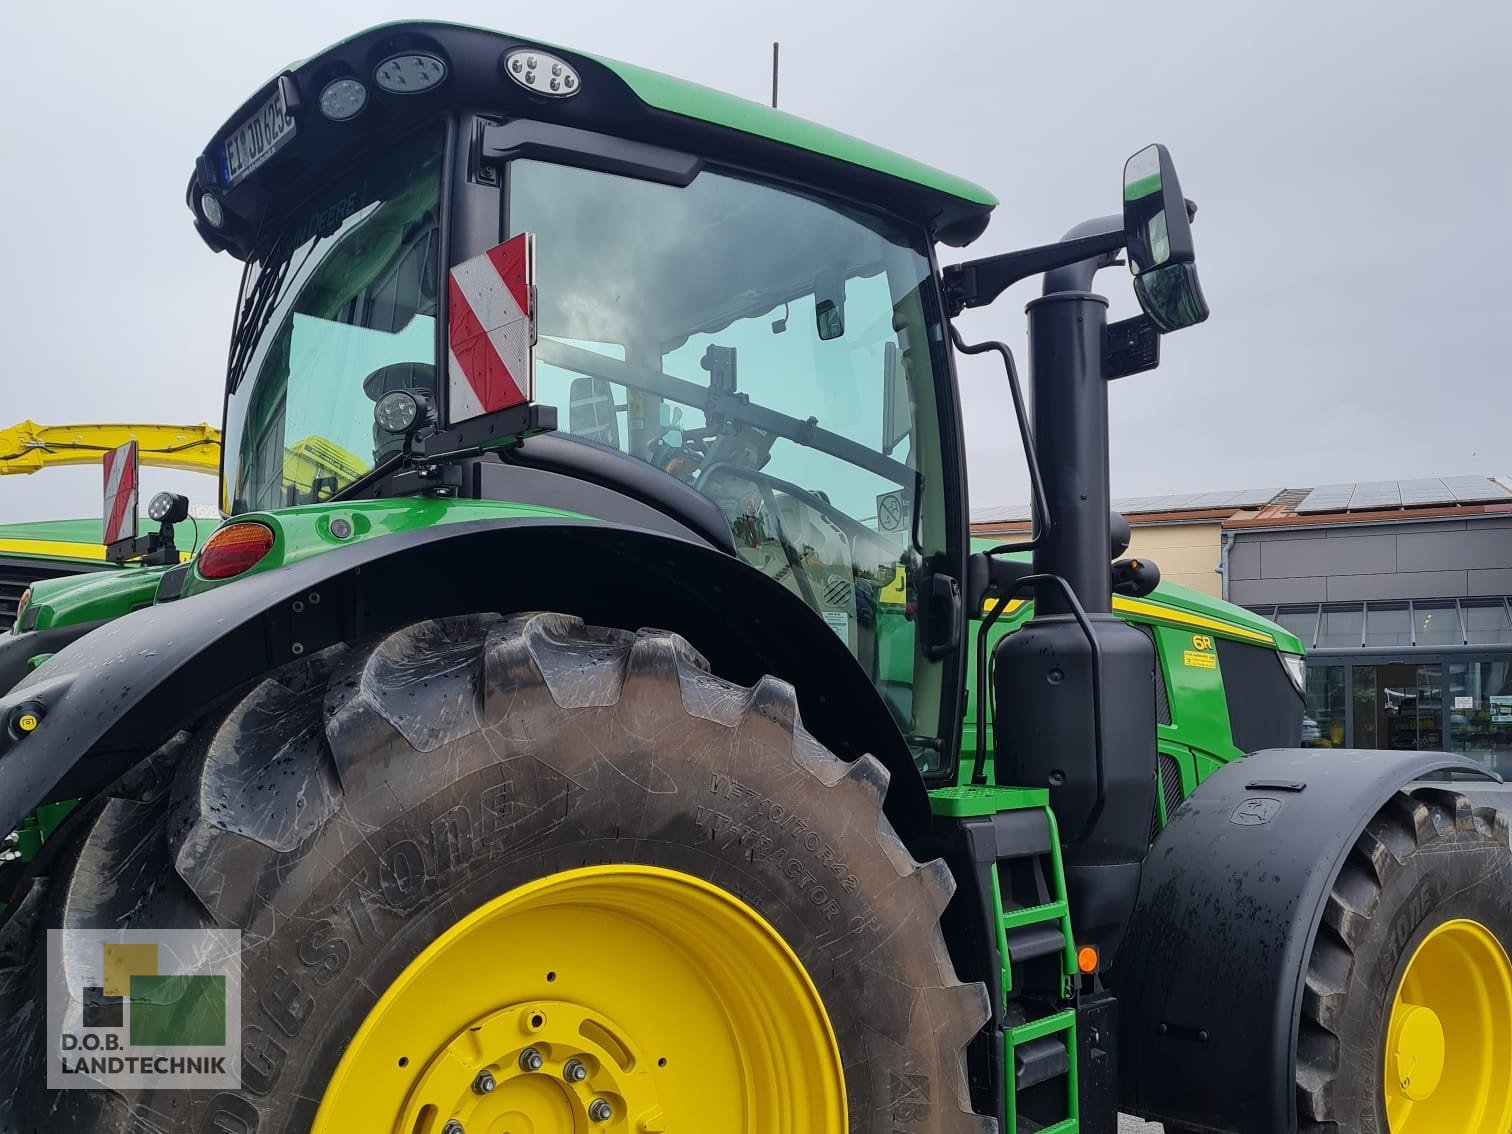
x=492, y=324
x=121, y=465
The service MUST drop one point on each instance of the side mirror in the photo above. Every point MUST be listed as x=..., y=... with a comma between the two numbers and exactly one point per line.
x=1158, y=236
x=1118, y=530
x=591, y=412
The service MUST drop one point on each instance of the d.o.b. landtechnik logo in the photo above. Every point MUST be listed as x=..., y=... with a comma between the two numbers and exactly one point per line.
x=128, y=1009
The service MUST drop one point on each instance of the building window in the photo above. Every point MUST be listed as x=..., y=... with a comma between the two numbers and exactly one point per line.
x=1300, y=620
x=1480, y=712
x=1327, y=712
x=1422, y=623
x=1435, y=624
x=1486, y=621
x=1388, y=624
x=1399, y=705
x=1341, y=628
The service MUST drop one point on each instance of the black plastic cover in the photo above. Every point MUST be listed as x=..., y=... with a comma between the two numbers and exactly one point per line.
x=1099, y=766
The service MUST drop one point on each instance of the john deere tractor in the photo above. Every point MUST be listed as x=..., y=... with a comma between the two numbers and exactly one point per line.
x=591, y=758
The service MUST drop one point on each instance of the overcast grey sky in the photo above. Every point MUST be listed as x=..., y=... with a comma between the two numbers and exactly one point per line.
x=1350, y=161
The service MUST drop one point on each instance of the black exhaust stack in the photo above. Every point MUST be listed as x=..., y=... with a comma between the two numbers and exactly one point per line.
x=1076, y=713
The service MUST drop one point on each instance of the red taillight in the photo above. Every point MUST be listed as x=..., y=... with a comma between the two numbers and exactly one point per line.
x=22, y=605
x=233, y=549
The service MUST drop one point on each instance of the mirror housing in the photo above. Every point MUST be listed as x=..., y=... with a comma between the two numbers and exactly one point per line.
x=1119, y=534
x=591, y=412
x=1135, y=578
x=1158, y=237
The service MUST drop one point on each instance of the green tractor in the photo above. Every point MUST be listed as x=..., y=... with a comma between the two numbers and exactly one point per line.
x=49, y=549
x=503, y=857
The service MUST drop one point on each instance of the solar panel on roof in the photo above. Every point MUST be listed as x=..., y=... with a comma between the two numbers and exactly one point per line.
x=1211, y=500
x=1428, y=490
x=1255, y=497
x=1375, y=494
x=1175, y=502
x=1000, y=514
x=1475, y=489
x=1327, y=498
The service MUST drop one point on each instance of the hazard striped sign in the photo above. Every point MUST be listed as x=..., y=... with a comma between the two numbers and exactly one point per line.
x=492, y=324
x=121, y=493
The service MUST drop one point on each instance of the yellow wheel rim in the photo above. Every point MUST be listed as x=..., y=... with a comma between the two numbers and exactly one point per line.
x=607, y=1000
x=1449, y=1037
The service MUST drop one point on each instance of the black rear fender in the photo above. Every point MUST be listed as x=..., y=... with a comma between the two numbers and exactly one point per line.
x=121, y=690
x=1210, y=976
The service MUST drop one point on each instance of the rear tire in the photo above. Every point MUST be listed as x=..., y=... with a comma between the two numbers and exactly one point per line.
x=353, y=807
x=1427, y=861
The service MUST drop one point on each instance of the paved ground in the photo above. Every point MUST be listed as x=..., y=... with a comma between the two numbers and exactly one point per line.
x=1127, y=1125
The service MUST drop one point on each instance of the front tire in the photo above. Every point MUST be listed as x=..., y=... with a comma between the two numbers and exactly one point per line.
x=357, y=811
x=1407, y=1012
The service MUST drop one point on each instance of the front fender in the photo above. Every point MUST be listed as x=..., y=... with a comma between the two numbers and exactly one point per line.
x=115, y=693
x=1210, y=977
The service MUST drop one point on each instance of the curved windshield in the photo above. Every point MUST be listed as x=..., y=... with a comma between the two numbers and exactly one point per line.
x=340, y=310
x=770, y=349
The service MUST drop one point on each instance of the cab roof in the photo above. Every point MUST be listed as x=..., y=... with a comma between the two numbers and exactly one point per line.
x=615, y=98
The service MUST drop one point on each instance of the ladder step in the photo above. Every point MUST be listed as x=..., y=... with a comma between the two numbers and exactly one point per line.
x=1028, y=915
x=1064, y=1126
x=1040, y=1060
x=1043, y=940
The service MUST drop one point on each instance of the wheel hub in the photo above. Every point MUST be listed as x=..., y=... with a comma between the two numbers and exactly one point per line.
x=1417, y=1047
x=556, y=1068
x=610, y=999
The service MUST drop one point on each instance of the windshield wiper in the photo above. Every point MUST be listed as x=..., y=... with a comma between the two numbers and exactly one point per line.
x=258, y=309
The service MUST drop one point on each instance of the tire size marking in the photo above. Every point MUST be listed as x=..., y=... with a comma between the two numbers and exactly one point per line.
x=763, y=844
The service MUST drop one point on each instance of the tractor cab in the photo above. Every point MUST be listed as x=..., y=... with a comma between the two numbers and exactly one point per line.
x=455, y=241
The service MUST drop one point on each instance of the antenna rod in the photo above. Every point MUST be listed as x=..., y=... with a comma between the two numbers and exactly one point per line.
x=774, y=74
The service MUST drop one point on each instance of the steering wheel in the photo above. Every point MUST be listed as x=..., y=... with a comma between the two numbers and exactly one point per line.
x=710, y=473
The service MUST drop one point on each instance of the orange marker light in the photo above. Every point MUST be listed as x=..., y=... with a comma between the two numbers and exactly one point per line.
x=233, y=549
x=1087, y=959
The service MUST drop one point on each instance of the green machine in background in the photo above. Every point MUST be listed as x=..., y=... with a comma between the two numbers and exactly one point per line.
x=598, y=744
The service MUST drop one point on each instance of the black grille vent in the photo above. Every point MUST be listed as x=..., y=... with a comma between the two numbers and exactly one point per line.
x=18, y=574
x=1162, y=697
x=1170, y=784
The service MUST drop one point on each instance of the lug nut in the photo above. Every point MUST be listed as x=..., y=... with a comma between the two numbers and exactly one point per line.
x=574, y=1071
x=452, y=1127
x=530, y=1060
x=600, y=1111
x=484, y=1083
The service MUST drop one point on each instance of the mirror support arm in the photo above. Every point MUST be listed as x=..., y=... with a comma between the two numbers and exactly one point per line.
x=1104, y=237
x=977, y=283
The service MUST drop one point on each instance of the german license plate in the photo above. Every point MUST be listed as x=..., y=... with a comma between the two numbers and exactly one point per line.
x=257, y=139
